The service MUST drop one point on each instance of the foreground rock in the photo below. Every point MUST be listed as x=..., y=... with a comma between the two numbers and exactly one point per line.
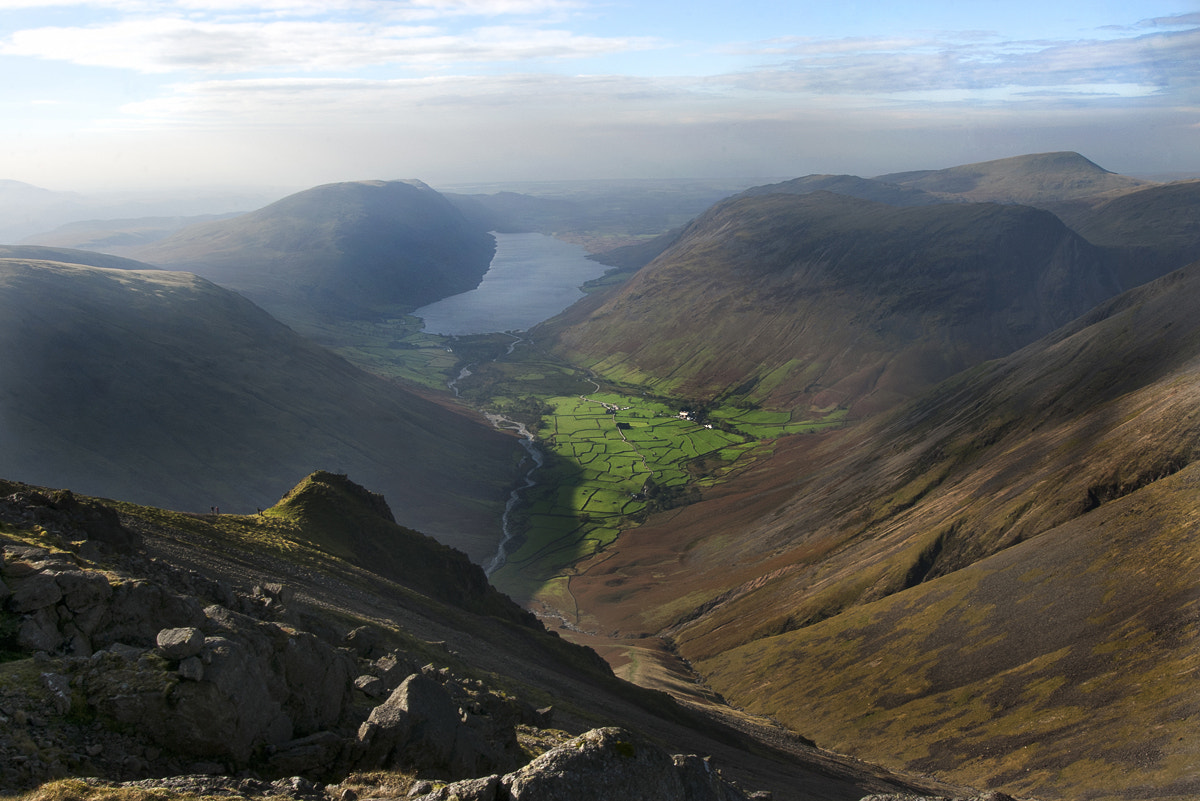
x=602, y=763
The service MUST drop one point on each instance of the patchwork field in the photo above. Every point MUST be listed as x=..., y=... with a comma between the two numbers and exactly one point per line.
x=612, y=453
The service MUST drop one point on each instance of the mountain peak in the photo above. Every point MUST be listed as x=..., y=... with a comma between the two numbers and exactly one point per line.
x=1032, y=178
x=332, y=499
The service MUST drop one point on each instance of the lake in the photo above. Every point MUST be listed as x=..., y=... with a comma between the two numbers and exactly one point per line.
x=532, y=277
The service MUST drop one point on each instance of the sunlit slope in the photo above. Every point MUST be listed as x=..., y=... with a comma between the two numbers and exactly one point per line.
x=342, y=249
x=163, y=388
x=824, y=301
x=999, y=581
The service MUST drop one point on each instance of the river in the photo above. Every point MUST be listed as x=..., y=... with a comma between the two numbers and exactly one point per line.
x=532, y=277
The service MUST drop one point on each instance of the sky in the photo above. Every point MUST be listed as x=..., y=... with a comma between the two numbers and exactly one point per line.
x=139, y=94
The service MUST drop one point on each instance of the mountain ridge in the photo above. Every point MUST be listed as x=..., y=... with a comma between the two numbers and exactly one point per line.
x=920, y=292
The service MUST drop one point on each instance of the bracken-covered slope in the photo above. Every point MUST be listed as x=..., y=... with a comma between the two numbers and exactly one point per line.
x=161, y=387
x=823, y=301
x=999, y=581
x=343, y=249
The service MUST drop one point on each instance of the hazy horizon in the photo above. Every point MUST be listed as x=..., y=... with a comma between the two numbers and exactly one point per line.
x=142, y=95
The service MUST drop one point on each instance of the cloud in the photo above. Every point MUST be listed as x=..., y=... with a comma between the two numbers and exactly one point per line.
x=902, y=66
x=165, y=45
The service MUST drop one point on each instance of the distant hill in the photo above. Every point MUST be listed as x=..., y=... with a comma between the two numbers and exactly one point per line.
x=851, y=185
x=161, y=387
x=348, y=249
x=71, y=256
x=119, y=236
x=997, y=582
x=822, y=300
x=1033, y=179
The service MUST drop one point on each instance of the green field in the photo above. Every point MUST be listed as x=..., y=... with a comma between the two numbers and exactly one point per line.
x=613, y=453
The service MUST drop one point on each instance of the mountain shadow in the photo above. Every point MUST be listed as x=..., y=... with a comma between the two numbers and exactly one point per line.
x=163, y=388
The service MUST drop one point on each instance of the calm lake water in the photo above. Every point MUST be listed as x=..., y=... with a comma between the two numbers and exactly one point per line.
x=532, y=278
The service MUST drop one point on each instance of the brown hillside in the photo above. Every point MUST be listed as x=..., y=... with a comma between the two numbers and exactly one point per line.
x=995, y=582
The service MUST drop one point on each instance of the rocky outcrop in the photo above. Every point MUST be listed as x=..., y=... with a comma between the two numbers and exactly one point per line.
x=988, y=796
x=223, y=686
x=131, y=667
x=92, y=525
x=602, y=763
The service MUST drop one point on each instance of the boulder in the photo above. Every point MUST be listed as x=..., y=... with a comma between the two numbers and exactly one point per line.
x=615, y=763
x=420, y=726
x=991, y=795
x=487, y=788
x=181, y=643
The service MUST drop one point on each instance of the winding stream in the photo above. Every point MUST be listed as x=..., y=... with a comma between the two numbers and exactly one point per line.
x=527, y=441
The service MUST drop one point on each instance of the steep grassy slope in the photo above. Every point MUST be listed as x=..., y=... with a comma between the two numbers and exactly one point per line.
x=998, y=581
x=1033, y=179
x=343, y=249
x=828, y=301
x=163, y=388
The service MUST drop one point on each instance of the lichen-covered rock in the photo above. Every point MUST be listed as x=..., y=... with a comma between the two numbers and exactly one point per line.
x=609, y=763
x=487, y=788
x=991, y=795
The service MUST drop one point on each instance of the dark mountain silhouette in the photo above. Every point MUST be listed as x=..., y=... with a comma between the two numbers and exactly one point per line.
x=348, y=249
x=161, y=387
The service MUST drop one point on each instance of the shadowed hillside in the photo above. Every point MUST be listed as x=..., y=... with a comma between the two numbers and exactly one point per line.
x=1152, y=231
x=348, y=249
x=824, y=301
x=998, y=581
x=161, y=387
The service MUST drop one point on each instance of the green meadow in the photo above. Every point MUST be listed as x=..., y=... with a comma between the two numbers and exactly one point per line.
x=614, y=452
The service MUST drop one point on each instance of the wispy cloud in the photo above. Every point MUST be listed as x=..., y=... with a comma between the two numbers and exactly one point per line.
x=175, y=44
x=884, y=67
